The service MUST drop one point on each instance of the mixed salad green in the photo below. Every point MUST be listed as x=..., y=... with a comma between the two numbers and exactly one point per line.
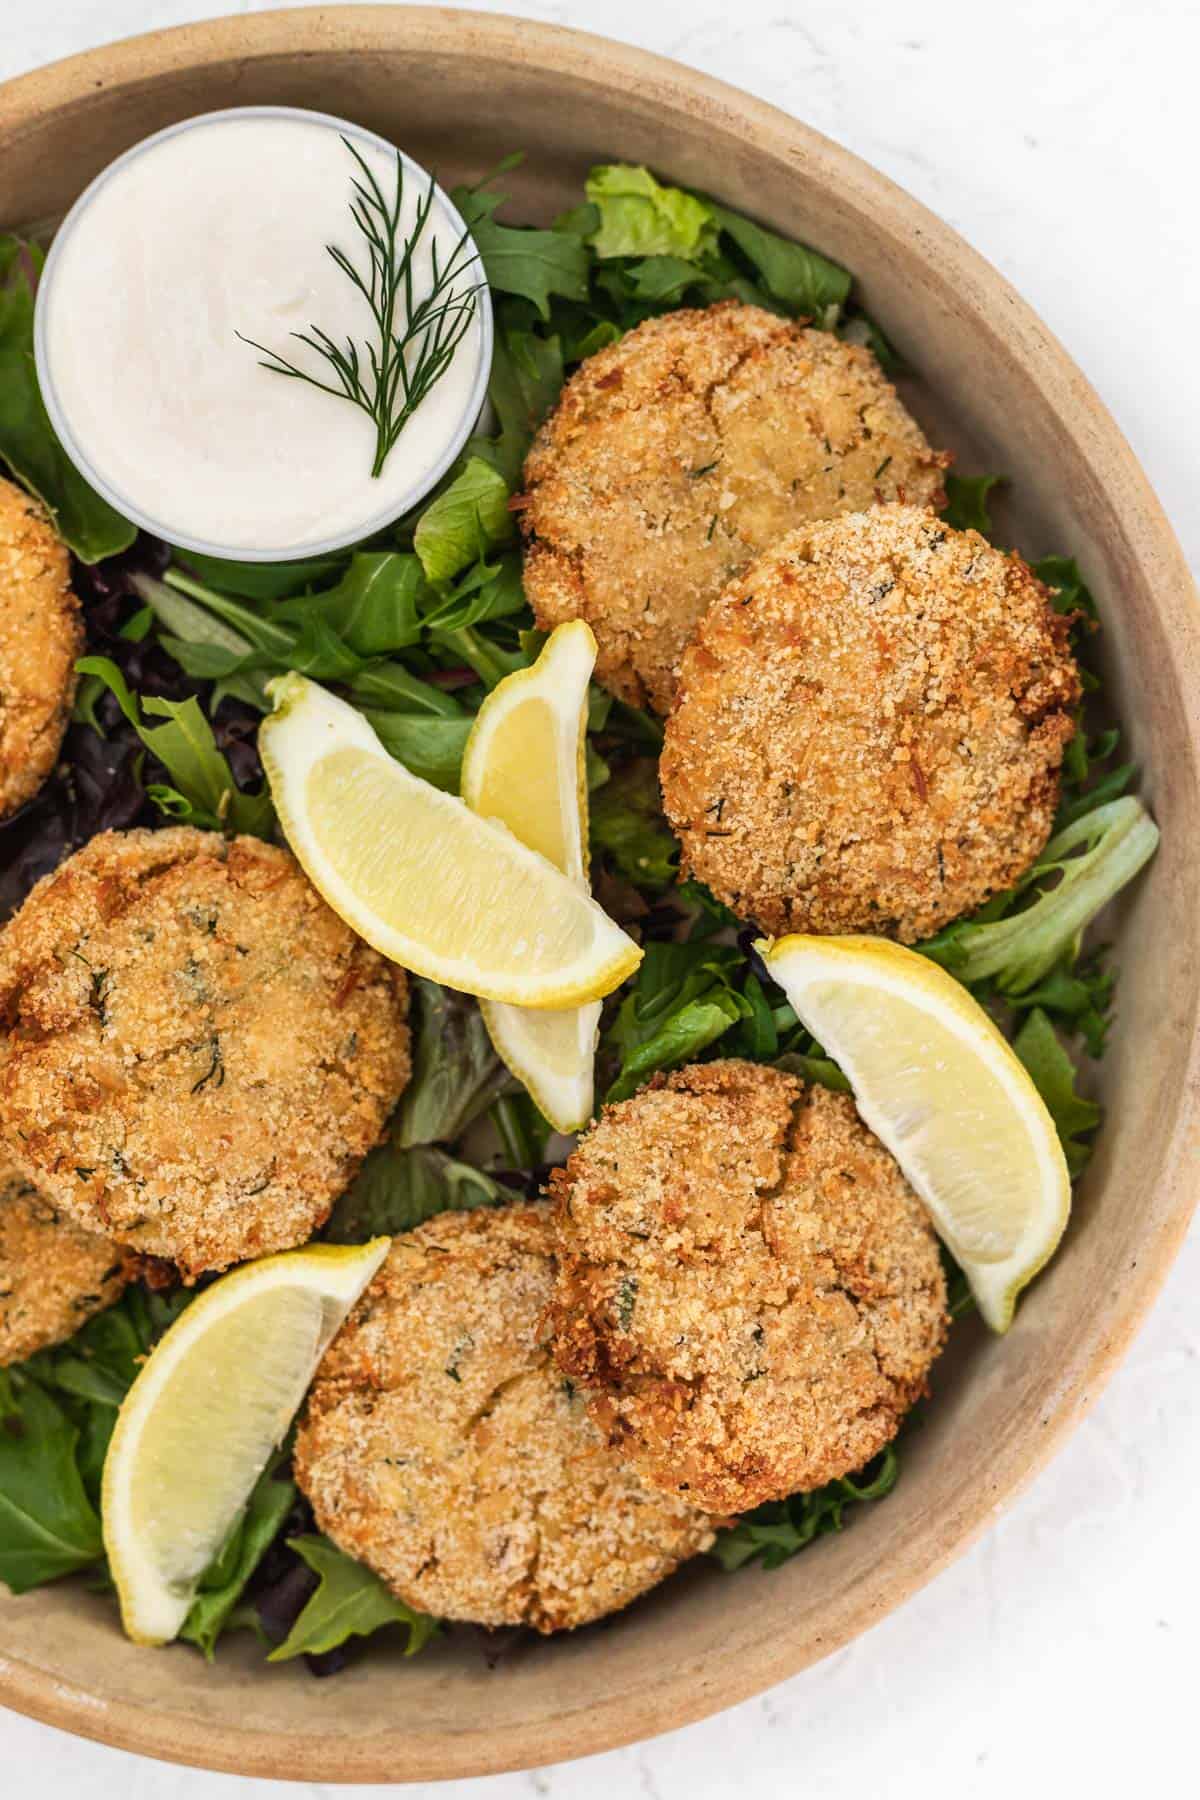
x=414, y=629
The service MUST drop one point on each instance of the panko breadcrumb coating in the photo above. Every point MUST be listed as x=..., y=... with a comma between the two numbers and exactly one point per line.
x=747, y=1284
x=41, y=636
x=53, y=1276
x=676, y=455
x=869, y=728
x=198, y=1051
x=442, y=1448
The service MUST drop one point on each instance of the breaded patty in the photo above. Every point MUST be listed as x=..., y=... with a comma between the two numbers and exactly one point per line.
x=869, y=728
x=199, y=1052
x=676, y=455
x=747, y=1284
x=442, y=1448
x=53, y=1276
x=41, y=635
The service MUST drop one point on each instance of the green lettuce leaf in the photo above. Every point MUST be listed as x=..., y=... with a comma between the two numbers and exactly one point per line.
x=1018, y=938
x=91, y=527
x=464, y=522
x=966, y=507
x=640, y=217
x=349, y=1602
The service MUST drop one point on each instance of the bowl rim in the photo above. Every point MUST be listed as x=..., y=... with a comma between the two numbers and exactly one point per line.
x=683, y=1694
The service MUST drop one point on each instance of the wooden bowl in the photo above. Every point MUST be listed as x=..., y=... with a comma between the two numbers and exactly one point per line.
x=459, y=91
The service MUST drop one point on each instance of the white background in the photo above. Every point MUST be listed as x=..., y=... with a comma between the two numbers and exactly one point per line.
x=1060, y=137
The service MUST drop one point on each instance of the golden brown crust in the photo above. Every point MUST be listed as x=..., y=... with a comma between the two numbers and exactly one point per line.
x=869, y=728
x=199, y=1052
x=41, y=636
x=53, y=1276
x=676, y=455
x=442, y=1447
x=747, y=1284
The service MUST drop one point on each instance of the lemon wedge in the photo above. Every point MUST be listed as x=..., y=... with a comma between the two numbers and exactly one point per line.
x=526, y=765
x=419, y=875
x=934, y=1079
x=212, y=1400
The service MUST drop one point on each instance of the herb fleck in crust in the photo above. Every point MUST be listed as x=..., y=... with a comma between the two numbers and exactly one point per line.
x=41, y=636
x=442, y=1448
x=747, y=1284
x=53, y=1276
x=198, y=1052
x=676, y=455
x=869, y=728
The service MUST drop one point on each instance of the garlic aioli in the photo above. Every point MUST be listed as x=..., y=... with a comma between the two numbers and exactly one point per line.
x=219, y=226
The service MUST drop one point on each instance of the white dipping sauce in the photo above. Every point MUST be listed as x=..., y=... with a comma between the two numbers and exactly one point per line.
x=212, y=228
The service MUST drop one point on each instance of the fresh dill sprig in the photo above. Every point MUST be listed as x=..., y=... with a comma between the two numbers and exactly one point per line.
x=389, y=379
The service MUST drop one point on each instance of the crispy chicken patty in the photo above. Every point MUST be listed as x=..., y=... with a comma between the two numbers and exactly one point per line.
x=676, y=455
x=41, y=635
x=869, y=728
x=747, y=1284
x=198, y=1051
x=443, y=1448
x=53, y=1276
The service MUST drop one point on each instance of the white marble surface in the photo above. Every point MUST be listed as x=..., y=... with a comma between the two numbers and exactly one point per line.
x=1060, y=137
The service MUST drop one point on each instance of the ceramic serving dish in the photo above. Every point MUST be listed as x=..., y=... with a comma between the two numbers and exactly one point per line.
x=459, y=91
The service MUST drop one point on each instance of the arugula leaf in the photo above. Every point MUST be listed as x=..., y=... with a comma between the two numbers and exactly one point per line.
x=205, y=792
x=349, y=1602
x=520, y=259
x=205, y=647
x=1069, y=592
x=526, y=380
x=48, y=1526
x=91, y=527
x=262, y=581
x=780, y=1530
x=487, y=591
x=224, y=1581
x=1053, y=1074
x=640, y=217
x=456, y=1074
x=431, y=748
x=681, y=1001
x=375, y=609
x=397, y=1189
x=1086, y=863
x=817, y=1070
x=464, y=522
x=628, y=827
x=1078, y=997
x=966, y=506
x=802, y=280
x=860, y=328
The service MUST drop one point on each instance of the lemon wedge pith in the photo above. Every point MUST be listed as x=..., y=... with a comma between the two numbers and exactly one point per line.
x=211, y=1402
x=935, y=1080
x=525, y=765
x=417, y=874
